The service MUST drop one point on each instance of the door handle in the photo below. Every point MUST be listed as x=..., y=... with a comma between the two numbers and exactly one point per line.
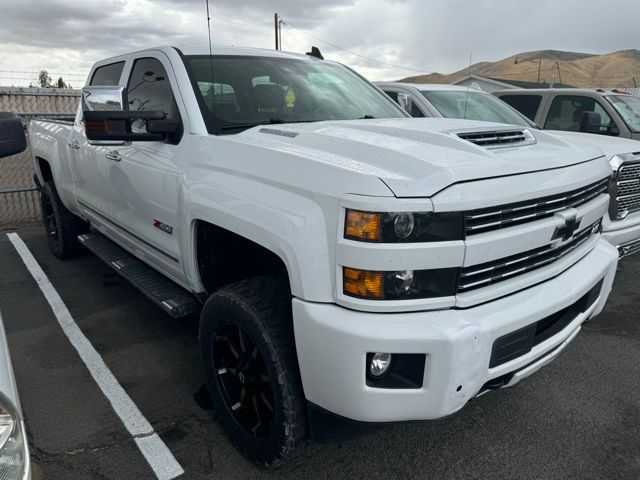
x=75, y=145
x=113, y=155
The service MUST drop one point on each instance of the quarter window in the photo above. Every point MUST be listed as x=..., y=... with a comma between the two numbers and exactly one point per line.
x=526, y=104
x=107, y=74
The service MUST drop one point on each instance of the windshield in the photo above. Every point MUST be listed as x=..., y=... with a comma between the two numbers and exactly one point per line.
x=479, y=106
x=628, y=107
x=249, y=91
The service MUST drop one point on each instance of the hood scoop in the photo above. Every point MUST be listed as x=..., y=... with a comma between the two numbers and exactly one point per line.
x=499, y=139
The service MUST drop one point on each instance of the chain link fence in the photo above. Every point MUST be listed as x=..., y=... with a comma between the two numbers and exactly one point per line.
x=19, y=201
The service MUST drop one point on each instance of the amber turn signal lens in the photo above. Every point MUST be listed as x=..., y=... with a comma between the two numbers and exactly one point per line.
x=363, y=225
x=363, y=283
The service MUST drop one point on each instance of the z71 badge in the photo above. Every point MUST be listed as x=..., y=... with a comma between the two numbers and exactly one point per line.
x=163, y=226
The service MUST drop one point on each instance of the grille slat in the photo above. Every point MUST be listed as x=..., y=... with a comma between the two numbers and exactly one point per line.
x=490, y=273
x=628, y=189
x=495, y=218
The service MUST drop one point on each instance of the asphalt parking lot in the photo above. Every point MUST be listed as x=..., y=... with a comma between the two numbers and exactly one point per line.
x=578, y=418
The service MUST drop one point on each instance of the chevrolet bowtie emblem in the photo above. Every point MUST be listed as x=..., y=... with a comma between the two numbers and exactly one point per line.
x=566, y=231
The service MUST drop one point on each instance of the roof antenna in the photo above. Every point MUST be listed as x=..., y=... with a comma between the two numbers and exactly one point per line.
x=315, y=52
x=466, y=100
x=212, y=105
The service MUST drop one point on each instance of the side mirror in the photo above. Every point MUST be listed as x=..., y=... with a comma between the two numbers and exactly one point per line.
x=12, y=137
x=107, y=118
x=591, y=123
x=405, y=102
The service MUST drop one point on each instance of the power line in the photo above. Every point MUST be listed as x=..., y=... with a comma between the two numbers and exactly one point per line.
x=413, y=69
x=50, y=73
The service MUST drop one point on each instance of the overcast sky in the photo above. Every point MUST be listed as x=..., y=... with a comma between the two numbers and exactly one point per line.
x=66, y=37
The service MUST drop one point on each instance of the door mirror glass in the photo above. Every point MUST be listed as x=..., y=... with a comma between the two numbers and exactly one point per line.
x=590, y=122
x=12, y=136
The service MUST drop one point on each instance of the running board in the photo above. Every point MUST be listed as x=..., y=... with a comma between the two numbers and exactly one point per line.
x=171, y=298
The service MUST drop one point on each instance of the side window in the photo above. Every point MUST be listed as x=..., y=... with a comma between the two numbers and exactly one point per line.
x=107, y=74
x=393, y=95
x=566, y=113
x=149, y=89
x=526, y=104
x=415, y=111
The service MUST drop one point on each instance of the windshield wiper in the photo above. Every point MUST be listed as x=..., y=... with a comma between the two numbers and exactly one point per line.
x=366, y=117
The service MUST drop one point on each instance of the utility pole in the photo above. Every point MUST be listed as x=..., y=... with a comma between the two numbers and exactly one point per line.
x=276, y=24
x=559, y=74
x=539, y=68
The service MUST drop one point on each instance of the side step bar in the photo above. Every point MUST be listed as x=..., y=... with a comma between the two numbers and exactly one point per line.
x=171, y=298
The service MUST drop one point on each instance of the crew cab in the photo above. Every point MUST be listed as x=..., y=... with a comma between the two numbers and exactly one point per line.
x=621, y=226
x=603, y=112
x=350, y=264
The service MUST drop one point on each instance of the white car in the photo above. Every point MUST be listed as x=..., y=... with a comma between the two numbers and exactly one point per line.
x=347, y=261
x=14, y=450
x=621, y=226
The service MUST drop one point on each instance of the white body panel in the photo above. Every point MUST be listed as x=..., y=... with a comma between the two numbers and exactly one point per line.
x=287, y=189
x=9, y=389
x=620, y=233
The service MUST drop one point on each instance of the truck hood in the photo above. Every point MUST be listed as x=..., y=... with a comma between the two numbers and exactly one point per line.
x=417, y=157
x=609, y=145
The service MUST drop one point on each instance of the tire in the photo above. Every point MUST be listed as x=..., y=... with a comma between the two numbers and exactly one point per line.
x=62, y=226
x=250, y=362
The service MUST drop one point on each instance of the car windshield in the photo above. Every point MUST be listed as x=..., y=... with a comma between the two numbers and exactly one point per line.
x=628, y=107
x=474, y=105
x=239, y=92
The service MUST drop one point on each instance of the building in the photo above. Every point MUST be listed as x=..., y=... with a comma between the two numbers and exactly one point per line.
x=489, y=85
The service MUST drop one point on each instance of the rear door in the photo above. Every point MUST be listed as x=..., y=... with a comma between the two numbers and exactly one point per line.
x=90, y=167
x=144, y=176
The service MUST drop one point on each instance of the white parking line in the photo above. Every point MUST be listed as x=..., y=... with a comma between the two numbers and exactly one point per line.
x=155, y=451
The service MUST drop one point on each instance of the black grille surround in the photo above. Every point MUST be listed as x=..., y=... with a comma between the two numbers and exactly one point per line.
x=518, y=343
x=495, y=218
x=490, y=273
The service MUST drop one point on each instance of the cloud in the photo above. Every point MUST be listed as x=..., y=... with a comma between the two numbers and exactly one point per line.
x=431, y=35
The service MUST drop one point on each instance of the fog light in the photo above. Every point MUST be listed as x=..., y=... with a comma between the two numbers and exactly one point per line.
x=380, y=363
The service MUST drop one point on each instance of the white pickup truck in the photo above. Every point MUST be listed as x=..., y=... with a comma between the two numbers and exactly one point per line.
x=349, y=263
x=621, y=225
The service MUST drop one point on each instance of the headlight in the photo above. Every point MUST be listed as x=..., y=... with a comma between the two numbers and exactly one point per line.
x=403, y=227
x=399, y=285
x=13, y=447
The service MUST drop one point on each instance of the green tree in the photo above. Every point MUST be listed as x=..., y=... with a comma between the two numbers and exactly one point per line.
x=44, y=79
x=60, y=83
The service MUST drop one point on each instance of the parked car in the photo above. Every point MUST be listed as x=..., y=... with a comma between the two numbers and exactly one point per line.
x=350, y=264
x=621, y=225
x=14, y=450
x=613, y=113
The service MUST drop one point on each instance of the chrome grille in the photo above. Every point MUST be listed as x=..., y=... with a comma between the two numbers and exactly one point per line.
x=490, y=273
x=499, y=138
x=495, y=218
x=628, y=189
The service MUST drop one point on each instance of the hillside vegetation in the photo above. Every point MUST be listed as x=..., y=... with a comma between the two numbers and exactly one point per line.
x=616, y=69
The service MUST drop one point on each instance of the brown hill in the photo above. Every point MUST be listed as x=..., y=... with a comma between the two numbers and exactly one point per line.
x=616, y=69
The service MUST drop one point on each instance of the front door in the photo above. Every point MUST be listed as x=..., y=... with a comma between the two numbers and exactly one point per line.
x=144, y=176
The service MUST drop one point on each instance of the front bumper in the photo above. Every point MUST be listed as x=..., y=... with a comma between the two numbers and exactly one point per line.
x=623, y=234
x=333, y=342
